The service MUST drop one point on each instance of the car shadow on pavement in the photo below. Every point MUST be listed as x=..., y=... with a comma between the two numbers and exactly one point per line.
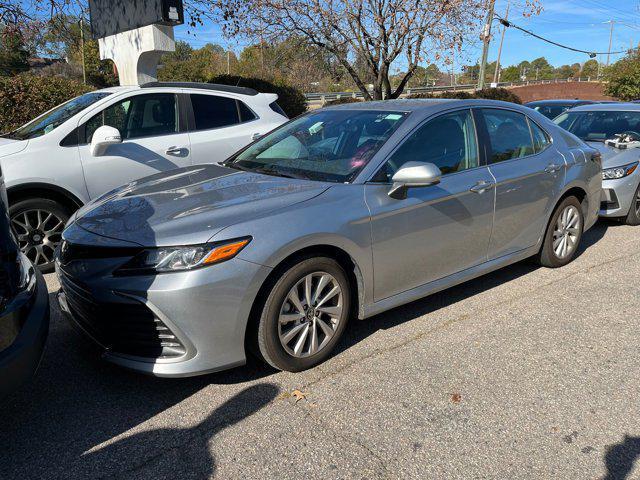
x=67, y=421
x=359, y=330
x=620, y=458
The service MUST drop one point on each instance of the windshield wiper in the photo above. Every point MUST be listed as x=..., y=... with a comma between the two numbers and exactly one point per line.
x=272, y=171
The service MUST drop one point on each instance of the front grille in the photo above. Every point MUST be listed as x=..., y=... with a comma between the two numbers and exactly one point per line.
x=126, y=327
x=71, y=251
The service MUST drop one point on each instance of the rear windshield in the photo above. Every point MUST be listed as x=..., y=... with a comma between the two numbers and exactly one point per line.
x=599, y=126
x=54, y=118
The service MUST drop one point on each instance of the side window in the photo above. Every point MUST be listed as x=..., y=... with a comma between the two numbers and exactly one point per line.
x=541, y=139
x=246, y=115
x=449, y=142
x=212, y=111
x=148, y=115
x=509, y=134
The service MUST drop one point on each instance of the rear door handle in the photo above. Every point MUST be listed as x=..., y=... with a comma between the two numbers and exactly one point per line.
x=552, y=168
x=175, y=151
x=481, y=187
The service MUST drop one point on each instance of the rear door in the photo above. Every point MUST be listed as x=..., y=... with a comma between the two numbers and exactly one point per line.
x=220, y=126
x=529, y=173
x=154, y=139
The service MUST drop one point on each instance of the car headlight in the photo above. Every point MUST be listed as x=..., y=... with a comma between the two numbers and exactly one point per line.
x=177, y=259
x=619, y=172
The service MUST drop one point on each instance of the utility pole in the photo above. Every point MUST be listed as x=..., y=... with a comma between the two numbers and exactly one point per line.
x=486, y=33
x=496, y=74
x=610, y=40
x=84, y=68
x=228, y=62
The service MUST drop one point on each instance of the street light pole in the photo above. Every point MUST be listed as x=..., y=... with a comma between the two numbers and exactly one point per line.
x=84, y=68
x=486, y=40
x=496, y=74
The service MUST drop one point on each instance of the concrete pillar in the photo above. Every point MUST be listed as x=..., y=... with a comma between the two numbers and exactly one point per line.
x=136, y=53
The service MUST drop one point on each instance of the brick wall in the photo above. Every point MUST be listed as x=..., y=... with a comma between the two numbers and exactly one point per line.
x=581, y=90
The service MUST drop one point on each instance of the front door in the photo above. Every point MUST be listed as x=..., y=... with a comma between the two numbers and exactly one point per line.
x=153, y=140
x=438, y=230
x=529, y=173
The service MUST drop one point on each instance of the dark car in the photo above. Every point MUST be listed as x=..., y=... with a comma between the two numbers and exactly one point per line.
x=552, y=108
x=24, y=309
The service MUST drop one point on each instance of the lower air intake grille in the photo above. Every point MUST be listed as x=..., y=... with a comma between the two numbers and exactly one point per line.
x=128, y=327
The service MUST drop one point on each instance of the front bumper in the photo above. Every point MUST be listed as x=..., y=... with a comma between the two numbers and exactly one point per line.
x=617, y=195
x=205, y=313
x=20, y=360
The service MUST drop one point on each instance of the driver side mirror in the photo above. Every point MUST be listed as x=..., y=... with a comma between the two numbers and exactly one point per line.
x=102, y=138
x=412, y=175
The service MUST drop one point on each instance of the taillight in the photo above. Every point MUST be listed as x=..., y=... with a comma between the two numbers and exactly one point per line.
x=597, y=158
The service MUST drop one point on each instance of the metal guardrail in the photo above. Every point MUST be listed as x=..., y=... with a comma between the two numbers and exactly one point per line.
x=328, y=96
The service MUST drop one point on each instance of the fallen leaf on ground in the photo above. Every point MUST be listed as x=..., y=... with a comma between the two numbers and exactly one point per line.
x=298, y=395
x=456, y=397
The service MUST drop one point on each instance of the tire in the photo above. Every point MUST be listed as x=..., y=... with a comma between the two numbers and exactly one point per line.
x=633, y=217
x=39, y=234
x=272, y=334
x=557, y=257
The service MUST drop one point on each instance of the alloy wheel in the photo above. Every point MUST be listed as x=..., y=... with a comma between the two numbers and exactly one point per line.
x=310, y=314
x=567, y=232
x=39, y=232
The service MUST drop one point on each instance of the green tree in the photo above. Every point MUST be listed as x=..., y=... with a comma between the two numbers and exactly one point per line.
x=624, y=78
x=590, y=69
x=13, y=54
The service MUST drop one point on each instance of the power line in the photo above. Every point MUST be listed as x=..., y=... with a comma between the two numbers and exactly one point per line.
x=507, y=23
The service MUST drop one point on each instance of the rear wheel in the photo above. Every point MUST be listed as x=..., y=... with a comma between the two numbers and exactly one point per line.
x=38, y=224
x=633, y=217
x=304, y=315
x=563, y=234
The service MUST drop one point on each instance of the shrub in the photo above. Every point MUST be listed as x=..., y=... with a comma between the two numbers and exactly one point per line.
x=341, y=100
x=292, y=100
x=498, y=94
x=24, y=97
x=488, y=93
x=624, y=78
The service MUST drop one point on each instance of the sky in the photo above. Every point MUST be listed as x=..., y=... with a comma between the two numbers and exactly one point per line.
x=576, y=23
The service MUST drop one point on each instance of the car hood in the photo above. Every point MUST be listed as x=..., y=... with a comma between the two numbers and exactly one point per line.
x=190, y=205
x=9, y=146
x=615, y=157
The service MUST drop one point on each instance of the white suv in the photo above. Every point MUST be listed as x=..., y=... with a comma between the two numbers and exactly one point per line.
x=104, y=139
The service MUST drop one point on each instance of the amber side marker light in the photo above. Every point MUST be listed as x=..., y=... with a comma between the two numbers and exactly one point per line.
x=632, y=169
x=225, y=252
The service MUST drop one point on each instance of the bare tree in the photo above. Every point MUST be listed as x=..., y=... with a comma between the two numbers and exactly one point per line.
x=373, y=33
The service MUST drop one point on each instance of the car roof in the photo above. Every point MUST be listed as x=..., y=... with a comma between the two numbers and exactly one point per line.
x=558, y=101
x=187, y=85
x=608, y=107
x=419, y=104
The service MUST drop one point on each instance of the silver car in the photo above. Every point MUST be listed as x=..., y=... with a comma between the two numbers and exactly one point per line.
x=595, y=124
x=342, y=213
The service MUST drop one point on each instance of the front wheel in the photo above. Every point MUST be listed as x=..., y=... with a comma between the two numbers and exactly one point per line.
x=38, y=224
x=304, y=315
x=633, y=217
x=563, y=234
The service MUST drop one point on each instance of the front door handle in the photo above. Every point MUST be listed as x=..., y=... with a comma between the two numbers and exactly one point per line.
x=255, y=136
x=552, y=168
x=481, y=186
x=175, y=151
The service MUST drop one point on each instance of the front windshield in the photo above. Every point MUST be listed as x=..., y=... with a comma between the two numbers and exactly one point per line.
x=54, y=118
x=330, y=145
x=598, y=126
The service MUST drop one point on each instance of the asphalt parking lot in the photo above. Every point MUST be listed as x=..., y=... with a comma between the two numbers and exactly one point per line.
x=525, y=373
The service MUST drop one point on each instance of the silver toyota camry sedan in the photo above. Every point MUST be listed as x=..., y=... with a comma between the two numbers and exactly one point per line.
x=340, y=214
